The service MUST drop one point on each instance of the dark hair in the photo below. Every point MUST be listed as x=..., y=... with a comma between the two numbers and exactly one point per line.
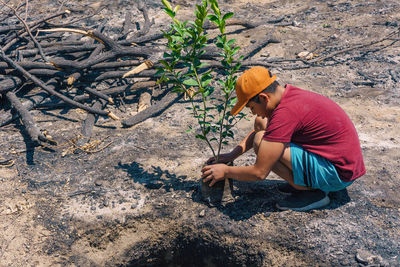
x=270, y=89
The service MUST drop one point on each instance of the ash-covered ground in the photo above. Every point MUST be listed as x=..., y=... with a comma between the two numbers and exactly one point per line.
x=136, y=202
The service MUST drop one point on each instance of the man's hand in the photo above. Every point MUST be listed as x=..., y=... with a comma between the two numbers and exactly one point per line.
x=214, y=173
x=223, y=158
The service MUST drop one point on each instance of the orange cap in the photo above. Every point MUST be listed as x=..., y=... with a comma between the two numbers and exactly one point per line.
x=249, y=84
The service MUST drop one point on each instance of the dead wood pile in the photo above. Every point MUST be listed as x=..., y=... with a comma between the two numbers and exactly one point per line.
x=54, y=61
x=49, y=62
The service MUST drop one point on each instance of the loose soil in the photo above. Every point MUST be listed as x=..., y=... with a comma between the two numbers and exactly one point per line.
x=137, y=203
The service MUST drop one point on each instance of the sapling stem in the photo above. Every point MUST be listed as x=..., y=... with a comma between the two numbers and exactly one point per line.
x=186, y=43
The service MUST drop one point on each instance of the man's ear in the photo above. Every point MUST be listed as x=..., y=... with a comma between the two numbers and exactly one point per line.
x=264, y=96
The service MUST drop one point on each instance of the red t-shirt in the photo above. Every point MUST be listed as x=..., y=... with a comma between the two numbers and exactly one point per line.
x=319, y=125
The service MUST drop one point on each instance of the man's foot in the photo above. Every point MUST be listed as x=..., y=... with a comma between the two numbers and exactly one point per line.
x=304, y=201
x=287, y=189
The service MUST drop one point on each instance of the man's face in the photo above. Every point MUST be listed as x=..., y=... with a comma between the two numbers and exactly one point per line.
x=259, y=109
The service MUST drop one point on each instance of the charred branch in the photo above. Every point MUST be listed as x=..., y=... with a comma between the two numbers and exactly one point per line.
x=32, y=102
x=33, y=131
x=153, y=110
x=257, y=46
x=9, y=83
x=50, y=90
x=98, y=94
x=88, y=123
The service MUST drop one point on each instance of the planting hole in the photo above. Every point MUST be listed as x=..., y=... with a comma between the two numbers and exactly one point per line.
x=196, y=252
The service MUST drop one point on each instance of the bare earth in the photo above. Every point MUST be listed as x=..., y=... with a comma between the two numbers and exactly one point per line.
x=137, y=201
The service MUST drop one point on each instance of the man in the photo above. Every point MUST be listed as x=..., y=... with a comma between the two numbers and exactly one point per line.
x=304, y=137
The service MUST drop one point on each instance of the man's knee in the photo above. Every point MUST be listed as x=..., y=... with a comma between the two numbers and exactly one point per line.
x=260, y=124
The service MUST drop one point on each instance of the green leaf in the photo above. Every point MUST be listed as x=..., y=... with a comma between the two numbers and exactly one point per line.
x=231, y=42
x=190, y=82
x=227, y=16
x=220, y=45
x=206, y=82
x=166, y=4
x=198, y=22
x=234, y=50
x=202, y=65
x=207, y=130
x=206, y=75
x=208, y=91
x=178, y=39
x=170, y=12
x=199, y=136
x=213, y=19
x=214, y=7
x=237, y=67
x=204, y=123
x=159, y=71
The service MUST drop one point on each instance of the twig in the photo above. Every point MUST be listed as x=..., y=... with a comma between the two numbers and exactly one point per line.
x=147, y=64
x=26, y=9
x=127, y=25
x=7, y=163
x=395, y=76
x=28, y=31
x=110, y=91
x=33, y=26
x=81, y=192
x=354, y=47
x=147, y=23
x=67, y=23
x=100, y=149
x=88, y=146
x=98, y=94
x=83, y=32
x=366, y=77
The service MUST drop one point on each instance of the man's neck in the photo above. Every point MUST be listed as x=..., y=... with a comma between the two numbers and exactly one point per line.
x=277, y=96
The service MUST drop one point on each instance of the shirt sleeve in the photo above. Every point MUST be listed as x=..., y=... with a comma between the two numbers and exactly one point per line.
x=281, y=126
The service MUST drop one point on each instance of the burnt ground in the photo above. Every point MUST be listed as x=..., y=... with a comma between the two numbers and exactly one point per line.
x=136, y=202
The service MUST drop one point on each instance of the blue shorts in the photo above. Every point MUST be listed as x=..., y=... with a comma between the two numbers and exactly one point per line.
x=314, y=171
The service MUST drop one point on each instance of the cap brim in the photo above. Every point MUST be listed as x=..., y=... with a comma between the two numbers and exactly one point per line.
x=237, y=108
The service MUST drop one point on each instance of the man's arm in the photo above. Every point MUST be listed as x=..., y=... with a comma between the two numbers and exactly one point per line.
x=245, y=145
x=268, y=154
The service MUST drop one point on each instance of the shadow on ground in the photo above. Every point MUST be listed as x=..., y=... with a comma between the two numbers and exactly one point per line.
x=158, y=178
x=250, y=198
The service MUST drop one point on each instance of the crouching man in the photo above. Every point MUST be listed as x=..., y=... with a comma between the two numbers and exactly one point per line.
x=303, y=137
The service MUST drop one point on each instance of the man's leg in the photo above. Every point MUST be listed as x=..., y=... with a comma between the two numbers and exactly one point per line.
x=305, y=198
x=283, y=168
